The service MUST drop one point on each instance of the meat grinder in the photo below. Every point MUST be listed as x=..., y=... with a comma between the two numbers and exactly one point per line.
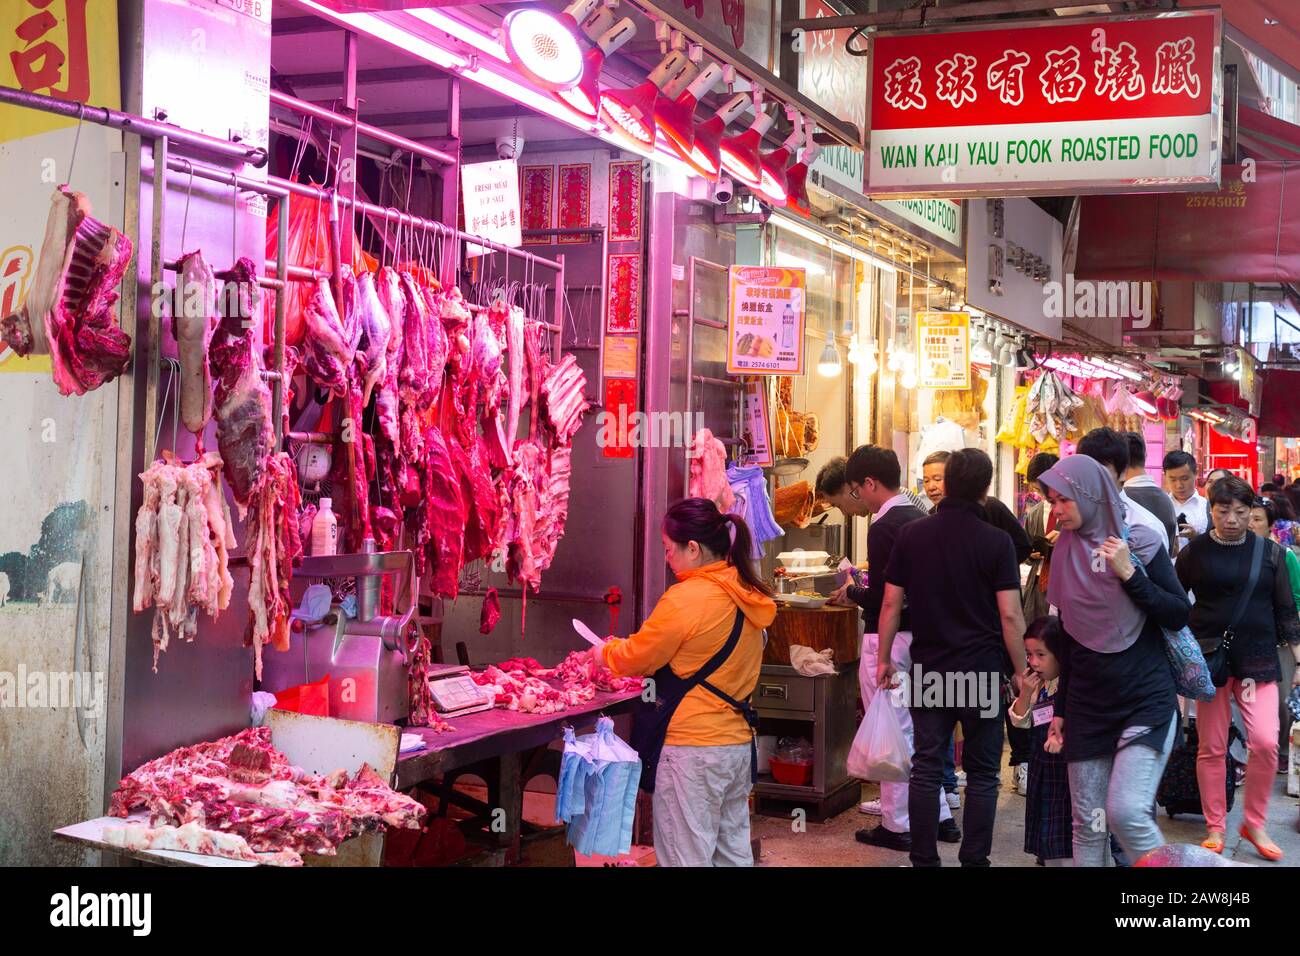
x=364, y=657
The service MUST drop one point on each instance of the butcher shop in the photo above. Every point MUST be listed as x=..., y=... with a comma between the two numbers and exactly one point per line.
x=395, y=388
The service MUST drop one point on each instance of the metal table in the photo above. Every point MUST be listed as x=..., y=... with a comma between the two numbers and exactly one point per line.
x=506, y=749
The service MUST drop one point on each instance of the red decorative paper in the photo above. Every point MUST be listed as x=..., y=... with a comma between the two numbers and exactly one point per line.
x=623, y=291
x=536, y=196
x=575, y=200
x=625, y=201
x=620, y=406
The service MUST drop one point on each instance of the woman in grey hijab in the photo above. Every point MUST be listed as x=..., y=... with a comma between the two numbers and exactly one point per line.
x=1115, y=705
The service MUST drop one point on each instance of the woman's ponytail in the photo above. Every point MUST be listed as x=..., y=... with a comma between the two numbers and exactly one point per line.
x=740, y=554
x=726, y=535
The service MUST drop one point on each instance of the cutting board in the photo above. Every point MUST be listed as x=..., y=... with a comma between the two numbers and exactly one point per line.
x=819, y=628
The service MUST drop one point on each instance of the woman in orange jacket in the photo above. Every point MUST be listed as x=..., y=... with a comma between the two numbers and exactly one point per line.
x=703, y=647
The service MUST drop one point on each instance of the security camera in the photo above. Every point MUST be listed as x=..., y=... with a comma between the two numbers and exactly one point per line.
x=509, y=147
x=722, y=191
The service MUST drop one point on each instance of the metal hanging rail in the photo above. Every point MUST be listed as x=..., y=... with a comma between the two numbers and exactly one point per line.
x=129, y=123
x=365, y=129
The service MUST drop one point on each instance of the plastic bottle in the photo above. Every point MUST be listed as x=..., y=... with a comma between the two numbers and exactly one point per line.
x=325, y=530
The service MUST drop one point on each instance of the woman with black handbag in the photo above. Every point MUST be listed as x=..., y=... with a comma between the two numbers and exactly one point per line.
x=1244, y=608
x=703, y=647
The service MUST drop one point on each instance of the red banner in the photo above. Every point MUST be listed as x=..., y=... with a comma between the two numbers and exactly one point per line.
x=1075, y=71
x=1249, y=230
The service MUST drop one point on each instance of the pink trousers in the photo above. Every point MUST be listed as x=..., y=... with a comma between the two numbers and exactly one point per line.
x=1258, y=702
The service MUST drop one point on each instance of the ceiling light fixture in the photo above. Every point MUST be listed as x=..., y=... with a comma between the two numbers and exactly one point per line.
x=829, y=363
x=740, y=153
x=774, y=182
x=630, y=111
x=584, y=98
x=706, y=147
x=544, y=46
x=675, y=116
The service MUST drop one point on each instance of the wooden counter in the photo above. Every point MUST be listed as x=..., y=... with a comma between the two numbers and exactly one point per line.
x=835, y=627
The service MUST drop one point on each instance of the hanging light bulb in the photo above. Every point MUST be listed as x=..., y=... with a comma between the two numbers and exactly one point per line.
x=706, y=148
x=543, y=45
x=740, y=153
x=908, y=379
x=891, y=358
x=829, y=362
x=630, y=111
x=675, y=114
x=979, y=352
x=870, y=363
x=796, y=177
x=584, y=97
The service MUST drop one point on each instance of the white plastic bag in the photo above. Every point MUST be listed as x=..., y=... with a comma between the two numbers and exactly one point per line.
x=880, y=749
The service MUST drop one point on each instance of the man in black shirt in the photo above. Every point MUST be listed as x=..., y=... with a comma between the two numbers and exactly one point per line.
x=872, y=475
x=1143, y=489
x=962, y=583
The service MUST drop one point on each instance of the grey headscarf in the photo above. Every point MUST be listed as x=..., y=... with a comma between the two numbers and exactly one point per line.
x=1094, y=606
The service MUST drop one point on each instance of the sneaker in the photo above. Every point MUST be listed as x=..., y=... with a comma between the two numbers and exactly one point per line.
x=961, y=778
x=870, y=807
x=949, y=832
x=954, y=799
x=1022, y=779
x=879, y=836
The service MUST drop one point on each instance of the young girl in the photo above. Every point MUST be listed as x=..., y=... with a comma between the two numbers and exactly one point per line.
x=1047, y=806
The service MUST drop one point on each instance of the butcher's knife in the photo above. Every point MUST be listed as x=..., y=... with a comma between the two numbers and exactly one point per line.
x=587, y=634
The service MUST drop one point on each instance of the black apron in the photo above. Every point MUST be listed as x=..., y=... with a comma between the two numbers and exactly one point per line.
x=650, y=721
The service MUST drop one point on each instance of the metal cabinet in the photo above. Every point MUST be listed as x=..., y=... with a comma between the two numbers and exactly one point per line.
x=825, y=710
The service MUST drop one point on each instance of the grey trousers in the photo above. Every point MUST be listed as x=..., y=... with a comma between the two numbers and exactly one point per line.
x=701, y=806
x=1117, y=794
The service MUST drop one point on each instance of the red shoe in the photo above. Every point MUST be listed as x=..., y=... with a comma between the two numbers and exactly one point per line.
x=1273, y=854
x=1214, y=842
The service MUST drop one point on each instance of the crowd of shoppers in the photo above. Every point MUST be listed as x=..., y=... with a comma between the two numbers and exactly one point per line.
x=1115, y=563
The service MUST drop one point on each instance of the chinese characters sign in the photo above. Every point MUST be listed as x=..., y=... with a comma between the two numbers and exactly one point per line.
x=756, y=423
x=765, y=324
x=1063, y=107
x=491, y=192
x=837, y=81
x=943, y=347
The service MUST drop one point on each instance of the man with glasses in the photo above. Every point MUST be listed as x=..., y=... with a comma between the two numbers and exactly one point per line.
x=872, y=477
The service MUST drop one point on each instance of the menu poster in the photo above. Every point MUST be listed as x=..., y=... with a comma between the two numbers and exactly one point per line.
x=756, y=423
x=766, y=321
x=943, y=348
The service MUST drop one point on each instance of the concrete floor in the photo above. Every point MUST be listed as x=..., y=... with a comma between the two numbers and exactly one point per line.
x=832, y=843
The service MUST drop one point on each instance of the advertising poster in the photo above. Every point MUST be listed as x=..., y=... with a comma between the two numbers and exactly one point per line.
x=757, y=423
x=765, y=321
x=943, y=348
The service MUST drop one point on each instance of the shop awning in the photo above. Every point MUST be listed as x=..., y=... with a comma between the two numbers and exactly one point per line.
x=1245, y=232
x=1279, y=414
x=1265, y=27
x=1266, y=138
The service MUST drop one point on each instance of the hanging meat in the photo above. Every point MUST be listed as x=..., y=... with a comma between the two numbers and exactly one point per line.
x=245, y=433
x=442, y=517
x=709, y=471
x=375, y=332
x=183, y=537
x=490, y=613
x=482, y=508
x=193, y=323
x=272, y=544
x=325, y=350
x=70, y=311
x=562, y=398
x=515, y=358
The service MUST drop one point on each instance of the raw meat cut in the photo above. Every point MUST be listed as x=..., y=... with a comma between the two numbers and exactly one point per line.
x=325, y=352
x=192, y=838
x=193, y=325
x=537, y=367
x=482, y=510
x=709, y=471
x=491, y=612
x=245, y=433
x=388, y=288
x=243, y=787
x=183, y=539
x=272, y=544
x=442, y=525
x=516, y=360
x=524, y=685
x=413, y=377
x=563, y=401
x=70, y=310
x=553, y=513
x=375, y=328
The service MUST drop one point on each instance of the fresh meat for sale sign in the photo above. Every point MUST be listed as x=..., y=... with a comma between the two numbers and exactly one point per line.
x=1088, y=105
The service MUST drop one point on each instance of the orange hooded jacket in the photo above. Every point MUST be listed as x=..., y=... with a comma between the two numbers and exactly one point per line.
x=688, y=626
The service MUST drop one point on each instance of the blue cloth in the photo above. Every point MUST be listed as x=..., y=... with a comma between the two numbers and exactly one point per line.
x=950, y=767
x=596, y=792
x=749, y=485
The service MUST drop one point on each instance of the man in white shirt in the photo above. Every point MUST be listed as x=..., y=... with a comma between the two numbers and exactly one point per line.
x=1180, y=482
x=1110, y=448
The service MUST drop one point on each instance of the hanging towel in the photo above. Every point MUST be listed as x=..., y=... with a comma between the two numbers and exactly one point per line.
x=749, y=485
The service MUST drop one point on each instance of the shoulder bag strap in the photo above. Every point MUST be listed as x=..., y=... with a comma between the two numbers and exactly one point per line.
x=1256, y=558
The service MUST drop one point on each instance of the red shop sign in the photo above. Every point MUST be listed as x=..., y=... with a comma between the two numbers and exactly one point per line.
x=1065, y=107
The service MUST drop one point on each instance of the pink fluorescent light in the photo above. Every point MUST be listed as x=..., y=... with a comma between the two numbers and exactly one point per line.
x=530, y=97
x=380, y=29
x=462, y=31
